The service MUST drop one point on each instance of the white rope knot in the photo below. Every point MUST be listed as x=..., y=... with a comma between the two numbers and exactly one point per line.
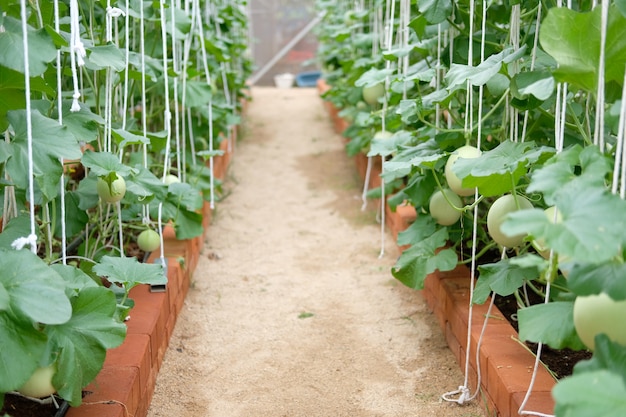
x=75, y=105
x=79, y=50
x=21, y=242
x=76, y=45
x=463, y=392
x=112, y=12
x=115, y=11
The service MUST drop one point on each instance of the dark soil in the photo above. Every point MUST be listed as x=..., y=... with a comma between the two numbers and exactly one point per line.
x=559, y=361
x=16, y=406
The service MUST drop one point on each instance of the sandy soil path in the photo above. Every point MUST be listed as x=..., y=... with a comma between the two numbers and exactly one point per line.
x=291, y=312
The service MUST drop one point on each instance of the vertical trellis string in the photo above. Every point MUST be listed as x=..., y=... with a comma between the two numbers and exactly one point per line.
x=598, y=136
x=463, y=391
x=60, y=119
x=127, y=59
x=391, y=14
x=32, y=238
x=77, y=52
x=176, y=69
x=475, y=225
x=200, y=27
x=376, y=41
x=167, y=116
x=533, y=58
x=620, y=154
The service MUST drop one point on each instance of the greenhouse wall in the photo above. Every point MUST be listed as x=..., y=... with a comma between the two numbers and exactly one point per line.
x=273, y=25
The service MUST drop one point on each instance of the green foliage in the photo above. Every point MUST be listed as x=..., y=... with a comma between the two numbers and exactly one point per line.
x=597, y=386
x=56, y=313
x=514, y=86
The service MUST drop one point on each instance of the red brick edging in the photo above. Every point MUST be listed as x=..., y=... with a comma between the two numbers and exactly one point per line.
x=125, y=385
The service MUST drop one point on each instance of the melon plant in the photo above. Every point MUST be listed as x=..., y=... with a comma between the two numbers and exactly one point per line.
x=516, y=122
x=111, y=157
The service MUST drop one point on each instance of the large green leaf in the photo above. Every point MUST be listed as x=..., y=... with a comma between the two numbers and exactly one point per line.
x=408, y=110
x=35, y=290
x=435, y=11
x=591, y=278
x=12, y=92
x=82, y=124
x=182, y=23
x=424, y=155
x=82, y=341
x=125, y=138
x=87, y=192
x=129, y=272
x=597, y=393
x=421, y=228
x=50, y=142
x=387, y=146
x=5, y=298
x=41, y=50
x=539, y=84
x=551, y=324
x=199, y=177
x=75, y=279
x=198, y=94
x=420, y=188
x=105, y=56
x=373, y=76
x=21, y=347
x=423, y=258
x=496, y=172
x=591, y=229
x=582, y=166
x=75, y=217
x=478, y=75
x=103, y=163
x=181, y=206
x=16, y=228
x=577, y=51
x=503, y=277
x=607, y=355
x=217, y=49
x=145, y=186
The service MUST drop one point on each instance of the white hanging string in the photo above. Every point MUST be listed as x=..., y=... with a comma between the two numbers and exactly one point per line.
x=391, y=14
x=126, y=59
x=559, y=120
x=224, y=69
x=60, y=119
x=167, y=115
x=144, y=105
x=200, y=28
x=463, y=394
x=533, y=58
x=438, y=77
x=111, y=12
x=620, y=152
x=176, y=69
x=77, y=52
x=376, y=40
x=598, y=136
x=188, y=124
x=31, y=239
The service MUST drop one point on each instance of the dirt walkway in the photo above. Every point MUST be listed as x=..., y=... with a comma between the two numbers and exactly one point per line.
x=291, y=313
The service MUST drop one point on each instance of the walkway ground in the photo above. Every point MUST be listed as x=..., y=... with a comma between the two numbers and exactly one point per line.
x=291, y=312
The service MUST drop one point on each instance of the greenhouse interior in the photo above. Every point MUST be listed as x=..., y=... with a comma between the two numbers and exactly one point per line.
x=312, y=208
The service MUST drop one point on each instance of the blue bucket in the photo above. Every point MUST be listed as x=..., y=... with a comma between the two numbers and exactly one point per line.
x=308, y=79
